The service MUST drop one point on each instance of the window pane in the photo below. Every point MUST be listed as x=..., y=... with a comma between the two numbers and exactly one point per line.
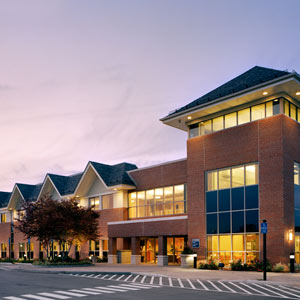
x=141, y=198
x=252, y=221
x=238, y=222
x=251, y=256
x=297, y=196
x=276, y=107
x=194, y=130
x=269, y=109
x=179, y=192
x=132, y=199
x=251, y=194
x=150, y=197
x=296, y=173
x=211, y=224
x=238, y=177
x=224, y=179
x=225, y=257
x=107, y=202
x=141, y=211
x=168, y=208
x=132, y=212
x=258, y=112
x=168, y=194
x=159, y=208
x=236, y=256
x=238, y=242
x=225, y=242
x=212, y=181
x=150, y=210
x=218, y=123
x=207, y=127
x=224, y=222
x=211, y=201
x=224, y=200
x=286, y=108
x=293, y=111
x=230, y=120
x=297, y=220
x=297, y=243
x=202, y=128
x=180, y=207
x=244, y=116
x=237, y=195
x=252, y=242
x=298, y=114
x=212, y=243
x=252, y=174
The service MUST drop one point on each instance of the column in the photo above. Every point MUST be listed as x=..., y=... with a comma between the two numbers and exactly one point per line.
x=136, y=251
x=162, y=258
x=112, y=250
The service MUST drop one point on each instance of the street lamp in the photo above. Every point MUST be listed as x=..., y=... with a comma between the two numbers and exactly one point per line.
x=291, y=235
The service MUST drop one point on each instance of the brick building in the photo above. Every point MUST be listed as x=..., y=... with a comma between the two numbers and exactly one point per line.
x=242, y=167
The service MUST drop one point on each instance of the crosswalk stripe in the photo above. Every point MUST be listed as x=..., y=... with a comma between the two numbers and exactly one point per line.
x=70, y=294
x=203, y=285
x=294, y=289
x=180, y=282
x=120, y=277
x=217, y=288
x=112, y=277
x=98, y=290
x=273, y=287
x=54, y=295
x=136, y=286
x=143, y=279
x=109, y=289
x=147, y=285
x=160, y=280
x=227, y=287
x=125, y=288
x=242, y=289
x=256, y=290
x=152, y=279
x=103, y=277
x=135, y=278
x=92, y=275
x=13, y=298
x=85, y=292
x=83, y=275
x=191, y=284
x=35, y=297
x=128, y=277
x=262, y=287
x=170, y=281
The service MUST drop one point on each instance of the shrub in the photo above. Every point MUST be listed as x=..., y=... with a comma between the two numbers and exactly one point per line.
x=278, y=267
x=187, y=250
x=238, y=266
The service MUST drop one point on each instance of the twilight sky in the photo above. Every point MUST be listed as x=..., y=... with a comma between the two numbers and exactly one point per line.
x=89, y=80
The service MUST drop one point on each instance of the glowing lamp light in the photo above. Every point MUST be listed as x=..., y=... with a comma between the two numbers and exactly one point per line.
x=298, y=93
x=291, y=236
x=189, y=117
x=265, y=93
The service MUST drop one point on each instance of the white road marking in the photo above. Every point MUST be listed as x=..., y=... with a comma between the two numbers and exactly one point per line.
x=294, y=289
x=227, y=287
x=109, y=289
x=98, y=275
x=143, y=279
x=128, y=277
x=191, y=284
x=83, y=275
x=121, y=277
x=70, y=294
x=218, y=289
x=98, y=290
x=125, y=288
x=262, y=287
x=203, y=285
x=170, y=281
x=92, y=275
x=160, y=280
x=54, y=295
x=85, y=292
x=35, y=297
x=136, y=286
x=240, y=288
x=250, y=287
x=147, y=285
x=152, y=279
x=135, y=278
x=13, y=298
x=180, y=283
x=273, y=287
x=103, y=277
x=112, y=277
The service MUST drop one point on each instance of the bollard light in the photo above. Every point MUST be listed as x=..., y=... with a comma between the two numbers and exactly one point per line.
x=291, y=236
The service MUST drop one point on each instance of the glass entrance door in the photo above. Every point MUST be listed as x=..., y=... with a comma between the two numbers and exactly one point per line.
x=149, y=250
x=174, y=247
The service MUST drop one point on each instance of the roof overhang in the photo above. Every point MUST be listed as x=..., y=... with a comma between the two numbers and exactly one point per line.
x=289, y=84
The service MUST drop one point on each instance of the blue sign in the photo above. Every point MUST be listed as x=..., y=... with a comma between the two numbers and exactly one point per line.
x=264, y=227
x=195, y=243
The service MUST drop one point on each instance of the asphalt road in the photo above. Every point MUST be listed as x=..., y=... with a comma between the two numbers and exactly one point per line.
x=24, y=285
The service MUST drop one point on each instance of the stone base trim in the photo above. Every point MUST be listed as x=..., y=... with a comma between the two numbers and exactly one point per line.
x=135, y=259
x=112, y=259
x=162, y=260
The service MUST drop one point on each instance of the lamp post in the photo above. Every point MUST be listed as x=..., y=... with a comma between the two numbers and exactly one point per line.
x=11, y=239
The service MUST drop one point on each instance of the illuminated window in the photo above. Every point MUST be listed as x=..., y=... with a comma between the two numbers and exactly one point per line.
x=95, y=203
x=3, y=218
x=251, y=174
x=286, y=108
x=269, y=109
x=107, y=201
x=224, y=179
x=293, y=111
x=238, y=176
x=230, y=120
x=218, y=123
x=212, y=181
x=207, y=127
x=258, y=112
x=244, y=116
x=159, y=202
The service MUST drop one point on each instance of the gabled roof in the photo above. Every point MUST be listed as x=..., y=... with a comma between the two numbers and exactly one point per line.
x=29, y=192
x=116, y=174
x=65, y=185
x=4, y=199
x=253, y=77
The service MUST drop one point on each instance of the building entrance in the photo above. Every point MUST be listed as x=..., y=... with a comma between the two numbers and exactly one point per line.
x=149, y=250
x=175, y=246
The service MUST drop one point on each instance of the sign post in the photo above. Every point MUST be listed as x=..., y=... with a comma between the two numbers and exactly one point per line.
x=264, y=231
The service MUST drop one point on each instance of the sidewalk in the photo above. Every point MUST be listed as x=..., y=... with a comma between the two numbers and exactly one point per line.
x=173, y=271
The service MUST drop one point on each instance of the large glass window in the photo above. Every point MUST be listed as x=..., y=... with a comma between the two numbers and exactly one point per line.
x=94, y=203
x=3, y=218
x=258, y=112
x=244, y=116
x=218, y=123
x=230, y=120
x=157, y=202
x=232, y=212
x=194, y=130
